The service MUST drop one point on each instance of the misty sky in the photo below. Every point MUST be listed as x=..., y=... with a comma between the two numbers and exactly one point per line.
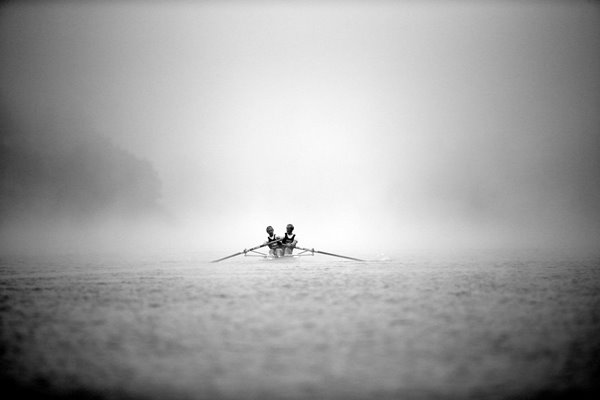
x=392, y=122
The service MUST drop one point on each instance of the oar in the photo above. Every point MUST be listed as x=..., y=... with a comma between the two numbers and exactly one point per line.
x=328, y=254
x=246, y=251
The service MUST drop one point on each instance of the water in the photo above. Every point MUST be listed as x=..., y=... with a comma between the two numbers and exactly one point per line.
x=478, y=325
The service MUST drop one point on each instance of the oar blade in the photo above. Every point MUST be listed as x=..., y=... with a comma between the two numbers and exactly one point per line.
x=329, y=254
x=338, y=255
x=225, y=258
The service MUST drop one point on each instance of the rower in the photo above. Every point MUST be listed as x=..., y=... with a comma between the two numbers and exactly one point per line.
x=289, y=240
x=275, y=249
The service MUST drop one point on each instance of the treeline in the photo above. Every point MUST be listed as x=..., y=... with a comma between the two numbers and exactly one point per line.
x=53, y=174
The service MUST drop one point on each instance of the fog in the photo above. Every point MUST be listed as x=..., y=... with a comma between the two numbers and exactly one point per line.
x=377, y=125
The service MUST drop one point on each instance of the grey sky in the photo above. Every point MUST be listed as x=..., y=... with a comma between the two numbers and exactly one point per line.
x=403, y=122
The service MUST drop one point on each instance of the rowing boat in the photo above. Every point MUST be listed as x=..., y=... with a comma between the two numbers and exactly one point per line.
x=253, y=252
x=285, y=257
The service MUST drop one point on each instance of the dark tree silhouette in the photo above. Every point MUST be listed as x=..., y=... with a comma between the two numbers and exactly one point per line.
x=74, y=176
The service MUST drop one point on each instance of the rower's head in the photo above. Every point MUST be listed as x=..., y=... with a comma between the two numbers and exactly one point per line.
x=289, y=228
x=270, y=230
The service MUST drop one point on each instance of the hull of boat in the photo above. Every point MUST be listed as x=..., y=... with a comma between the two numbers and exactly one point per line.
x=282, y=258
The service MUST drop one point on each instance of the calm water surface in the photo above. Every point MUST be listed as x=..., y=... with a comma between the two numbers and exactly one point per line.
x=480, y=325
